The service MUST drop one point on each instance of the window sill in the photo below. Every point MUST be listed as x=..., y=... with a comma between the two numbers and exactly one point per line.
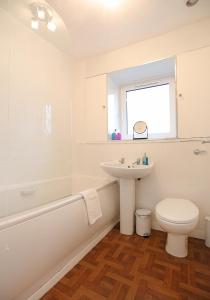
x=142, y=141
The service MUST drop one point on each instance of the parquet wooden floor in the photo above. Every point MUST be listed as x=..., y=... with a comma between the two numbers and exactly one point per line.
x=133, y=268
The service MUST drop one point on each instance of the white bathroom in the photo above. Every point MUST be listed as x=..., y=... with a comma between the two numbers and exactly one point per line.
x=105, y=143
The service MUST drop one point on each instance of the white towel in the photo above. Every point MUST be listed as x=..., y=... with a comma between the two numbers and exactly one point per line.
x=92, y=205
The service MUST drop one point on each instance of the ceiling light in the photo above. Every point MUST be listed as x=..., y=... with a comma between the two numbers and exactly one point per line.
x=34, y=24
x=51, y=26
x=191, y=3
x=111, y=3
x=41, y=13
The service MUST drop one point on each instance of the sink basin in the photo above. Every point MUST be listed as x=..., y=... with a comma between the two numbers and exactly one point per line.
x=129, y=171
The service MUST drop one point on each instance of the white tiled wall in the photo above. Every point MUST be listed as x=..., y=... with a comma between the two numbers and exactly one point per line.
x=33, y=74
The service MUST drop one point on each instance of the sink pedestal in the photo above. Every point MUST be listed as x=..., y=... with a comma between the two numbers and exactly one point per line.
x=127, y=206
x=127, y=173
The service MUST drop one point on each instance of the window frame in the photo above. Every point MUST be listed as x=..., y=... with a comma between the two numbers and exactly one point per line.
x=147, y=84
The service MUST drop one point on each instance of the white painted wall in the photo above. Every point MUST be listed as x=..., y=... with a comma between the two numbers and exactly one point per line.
x=178, y=172
x=183, y=39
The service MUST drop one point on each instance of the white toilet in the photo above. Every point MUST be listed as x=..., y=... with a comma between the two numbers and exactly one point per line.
x=178, y=217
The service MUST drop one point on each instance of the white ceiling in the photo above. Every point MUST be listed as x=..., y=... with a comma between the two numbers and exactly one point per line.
x=87, y=27
x=94, y=28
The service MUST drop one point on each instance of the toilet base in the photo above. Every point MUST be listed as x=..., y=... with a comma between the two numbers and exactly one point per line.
x=177, y=244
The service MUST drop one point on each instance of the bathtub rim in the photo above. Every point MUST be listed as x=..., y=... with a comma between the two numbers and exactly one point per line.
x=21, y=217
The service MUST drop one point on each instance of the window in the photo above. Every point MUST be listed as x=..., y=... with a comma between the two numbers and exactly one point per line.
x=152, y=102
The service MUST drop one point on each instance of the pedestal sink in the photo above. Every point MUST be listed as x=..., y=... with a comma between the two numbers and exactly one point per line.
x=127, y=173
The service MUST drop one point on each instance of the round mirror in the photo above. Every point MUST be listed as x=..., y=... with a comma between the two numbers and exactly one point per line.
x=140, y=127
x=140, y=130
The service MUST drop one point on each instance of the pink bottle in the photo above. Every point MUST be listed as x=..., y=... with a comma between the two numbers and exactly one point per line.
x=118, y=136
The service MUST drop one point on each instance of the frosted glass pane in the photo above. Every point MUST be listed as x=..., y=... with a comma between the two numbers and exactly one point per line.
x=151, y=105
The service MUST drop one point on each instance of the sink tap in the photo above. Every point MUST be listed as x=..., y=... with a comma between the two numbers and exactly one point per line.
x=122, y=160
x=137, y=162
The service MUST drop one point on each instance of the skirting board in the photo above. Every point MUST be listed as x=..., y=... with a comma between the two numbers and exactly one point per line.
x=70, y=264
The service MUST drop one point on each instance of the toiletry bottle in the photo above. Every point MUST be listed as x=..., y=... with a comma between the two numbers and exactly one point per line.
x=118, y=136
x=114, y=134
x=145, y=160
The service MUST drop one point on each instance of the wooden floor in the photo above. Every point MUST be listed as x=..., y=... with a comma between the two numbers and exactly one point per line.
x=130, y=267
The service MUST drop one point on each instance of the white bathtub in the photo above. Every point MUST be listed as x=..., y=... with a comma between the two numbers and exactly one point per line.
x=39, y=245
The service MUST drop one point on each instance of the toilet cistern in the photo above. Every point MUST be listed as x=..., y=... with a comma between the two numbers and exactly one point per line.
x=127, y=173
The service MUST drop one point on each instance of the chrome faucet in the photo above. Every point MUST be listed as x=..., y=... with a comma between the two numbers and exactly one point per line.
x=137, y=162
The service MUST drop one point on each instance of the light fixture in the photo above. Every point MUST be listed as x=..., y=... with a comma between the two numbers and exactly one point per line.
x=51, y=26
x=42, y=13
x=191, y=3
x=111, y=3
x=34, y=24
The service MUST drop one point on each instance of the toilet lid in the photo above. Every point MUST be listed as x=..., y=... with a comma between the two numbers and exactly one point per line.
x=177, y=210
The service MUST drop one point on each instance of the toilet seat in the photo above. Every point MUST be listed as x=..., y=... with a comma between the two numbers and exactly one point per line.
x=177, y=211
